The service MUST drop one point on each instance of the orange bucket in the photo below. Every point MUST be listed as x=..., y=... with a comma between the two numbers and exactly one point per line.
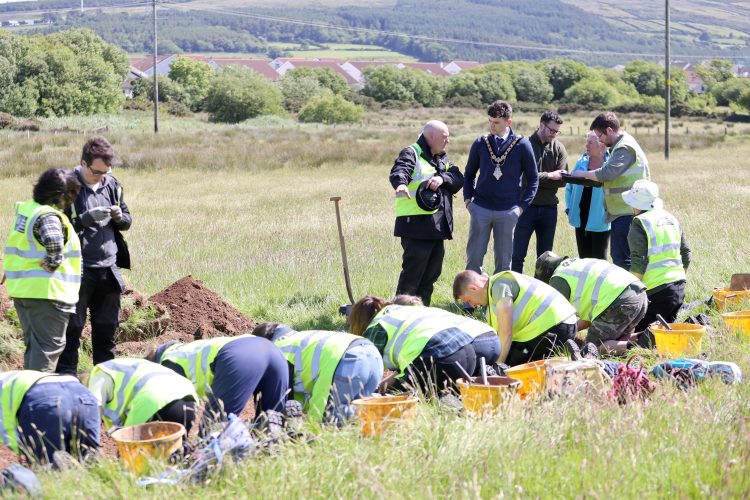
x=738, y=322
x=532, y=376
x=138, y=445
x=683, y=340
x=480, y=399
x=726, y=298
x=378, y=413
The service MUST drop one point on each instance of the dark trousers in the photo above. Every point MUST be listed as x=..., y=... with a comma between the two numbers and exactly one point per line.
x=541, y=219
x=666, y=302
x=592, y=245
x=421, y=267
x=619, y=249
x=100, y=295
x=432, y=376
x=541, y=347
x=180, y=411
x=58, y=416
x=245, y=367
x=486, y=346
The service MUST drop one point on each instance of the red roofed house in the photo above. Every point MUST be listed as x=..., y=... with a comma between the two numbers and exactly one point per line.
x=261, y=66
x=455, y=67
x=431, y=68
x=328, y=63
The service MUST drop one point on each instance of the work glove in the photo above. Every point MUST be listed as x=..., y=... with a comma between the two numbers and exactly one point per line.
x=116, y=213
x=95, y=214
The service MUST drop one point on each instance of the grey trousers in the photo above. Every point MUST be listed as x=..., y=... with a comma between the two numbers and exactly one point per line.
x=501, y=223
x=43, y=324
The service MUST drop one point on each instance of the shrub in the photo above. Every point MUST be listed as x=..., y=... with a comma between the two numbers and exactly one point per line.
x=239, y=93
x=176, y=108
x=331, y=109
x=592, y=92
x=6, y=120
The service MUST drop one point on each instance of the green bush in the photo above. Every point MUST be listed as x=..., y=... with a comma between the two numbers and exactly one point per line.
x=593, y=92
x=298, y=89
x=482, y=86
x=195, y=78
x=331, y=109
x=239, y=93
x=390, y=83
x=65, y=73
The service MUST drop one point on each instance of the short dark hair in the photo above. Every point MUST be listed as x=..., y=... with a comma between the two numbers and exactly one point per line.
x=98, y=147
x=55, y=183
x=265, y=330
x=551, y=116
x=605, y=120
x=500, y=109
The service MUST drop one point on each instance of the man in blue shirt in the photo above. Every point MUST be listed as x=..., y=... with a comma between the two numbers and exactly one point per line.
x=498, y=195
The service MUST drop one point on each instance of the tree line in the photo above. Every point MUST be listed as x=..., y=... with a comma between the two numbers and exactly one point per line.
x=76, y=72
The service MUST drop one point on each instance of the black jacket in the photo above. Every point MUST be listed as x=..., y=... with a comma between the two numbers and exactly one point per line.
x=437, y=226
x=99, y=245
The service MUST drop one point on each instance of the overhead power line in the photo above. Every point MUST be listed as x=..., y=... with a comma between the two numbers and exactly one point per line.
x=438, y=39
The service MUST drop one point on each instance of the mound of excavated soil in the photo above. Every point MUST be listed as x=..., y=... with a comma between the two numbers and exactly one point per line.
x=197, y=311
x=7, y=457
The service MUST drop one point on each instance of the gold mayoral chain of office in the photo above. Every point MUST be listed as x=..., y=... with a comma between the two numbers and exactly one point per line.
x=499, y=161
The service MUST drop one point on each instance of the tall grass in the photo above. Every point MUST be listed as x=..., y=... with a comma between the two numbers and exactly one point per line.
x=246, y=209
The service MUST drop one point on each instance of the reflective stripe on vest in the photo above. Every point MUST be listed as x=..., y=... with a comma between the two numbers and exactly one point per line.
x=594, y=284
x=409, y=328
x=25, y=277
x=537, y=308
x=423, y=170
x=315, y=355
x=639, y=170
x=664, y=259
x=13, y=387
x=195, y=359
x=141, y=389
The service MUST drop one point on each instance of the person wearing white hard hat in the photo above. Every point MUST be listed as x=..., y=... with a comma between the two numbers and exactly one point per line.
x=659, y=252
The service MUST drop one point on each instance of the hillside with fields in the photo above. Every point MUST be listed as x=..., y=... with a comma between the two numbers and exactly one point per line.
x=481, y=30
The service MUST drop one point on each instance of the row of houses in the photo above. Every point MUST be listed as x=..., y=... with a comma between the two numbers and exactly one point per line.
x=352, y=71
x=276, y=68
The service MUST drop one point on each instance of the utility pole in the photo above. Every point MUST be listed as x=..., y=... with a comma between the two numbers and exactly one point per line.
x=667, y=82
x=156, y=78
x=81, y=6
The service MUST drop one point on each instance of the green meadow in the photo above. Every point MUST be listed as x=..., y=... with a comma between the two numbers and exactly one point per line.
x=246, y=209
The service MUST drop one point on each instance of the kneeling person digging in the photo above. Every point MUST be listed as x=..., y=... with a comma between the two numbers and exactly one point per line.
x=609, y=300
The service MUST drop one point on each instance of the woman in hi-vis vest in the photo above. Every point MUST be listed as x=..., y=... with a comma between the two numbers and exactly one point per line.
x=427, y=347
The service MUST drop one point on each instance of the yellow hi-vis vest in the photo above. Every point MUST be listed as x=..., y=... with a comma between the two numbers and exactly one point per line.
x=409, y=328
x=141, y=389
x=664, y=259
x=13, y=387
x=315, y=355
x=537, y=308
x=594, y=284
x=423, y=170
x=638, y=170
x=195, y=359
x=25, y=278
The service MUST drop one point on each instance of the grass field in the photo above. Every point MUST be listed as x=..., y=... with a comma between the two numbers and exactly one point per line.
x=246, y=209
x=345, y=51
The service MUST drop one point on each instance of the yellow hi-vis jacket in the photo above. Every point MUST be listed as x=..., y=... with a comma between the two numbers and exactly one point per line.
x=25, y=278
x=141, y=389
x=409, y=328
x=537, y=308
x=195, y=359
x=423, y=170
x=315, y=355
x=638, y=170
x=13, y=387
x=594, y=284
x=664, y=238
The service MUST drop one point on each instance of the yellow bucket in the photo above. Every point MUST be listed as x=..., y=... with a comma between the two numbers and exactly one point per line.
x=378, y=413
x=532, y=376
x=726, y=298
x=738, y=322
x=480, y=399
x=138, y=445
x=684, y=339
